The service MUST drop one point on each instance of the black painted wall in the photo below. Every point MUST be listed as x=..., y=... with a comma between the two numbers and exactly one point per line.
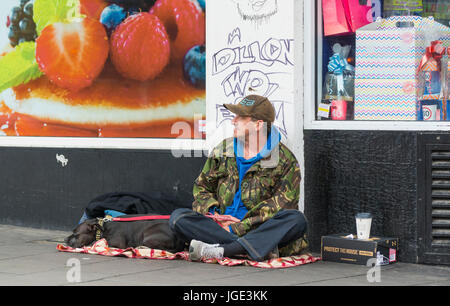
x=362, y=171
x=37, y=191
x=346, y=172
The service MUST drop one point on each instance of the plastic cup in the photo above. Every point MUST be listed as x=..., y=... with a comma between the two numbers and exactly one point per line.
x=363, y=223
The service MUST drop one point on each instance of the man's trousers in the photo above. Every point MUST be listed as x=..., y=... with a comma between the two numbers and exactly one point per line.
x=283, y=228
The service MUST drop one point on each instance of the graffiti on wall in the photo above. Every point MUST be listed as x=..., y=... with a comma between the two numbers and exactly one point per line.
x=256, y=11
x=257, y=67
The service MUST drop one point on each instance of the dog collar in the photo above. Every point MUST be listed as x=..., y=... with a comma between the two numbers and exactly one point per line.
x=100, y=222
x=98, y=233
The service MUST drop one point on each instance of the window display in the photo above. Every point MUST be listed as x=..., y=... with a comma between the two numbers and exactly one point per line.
x=383, y=60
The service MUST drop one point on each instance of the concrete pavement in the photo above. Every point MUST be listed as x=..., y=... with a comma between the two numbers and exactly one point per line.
x=29, y=257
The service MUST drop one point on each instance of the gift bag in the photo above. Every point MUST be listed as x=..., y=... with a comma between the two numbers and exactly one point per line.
x=446, y=101
x=339, y=81
x=344, y=16
x=388, y=55
x=338, y=87
x=334, y=18
x=357, y=15
x=431, y=72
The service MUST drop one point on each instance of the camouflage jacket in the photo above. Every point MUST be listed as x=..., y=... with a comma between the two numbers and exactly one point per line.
x=270, y=185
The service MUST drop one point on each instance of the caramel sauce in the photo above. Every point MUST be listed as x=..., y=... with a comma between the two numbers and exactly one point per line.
x=27, y=126
x=12, y=124
x=108, y=90
x=112, y=90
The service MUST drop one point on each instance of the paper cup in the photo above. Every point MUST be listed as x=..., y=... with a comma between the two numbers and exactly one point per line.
x=363, y=223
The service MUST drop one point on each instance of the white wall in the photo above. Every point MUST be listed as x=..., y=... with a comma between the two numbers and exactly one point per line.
x=299, y=87
x=262, y=52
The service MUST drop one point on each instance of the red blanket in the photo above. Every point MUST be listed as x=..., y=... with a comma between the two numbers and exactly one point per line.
x=101, y=248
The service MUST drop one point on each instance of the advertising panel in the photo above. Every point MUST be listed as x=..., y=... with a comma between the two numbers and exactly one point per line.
x=102, y=68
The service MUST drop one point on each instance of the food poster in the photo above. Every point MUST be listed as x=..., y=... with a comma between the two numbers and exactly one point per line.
x=102, y=68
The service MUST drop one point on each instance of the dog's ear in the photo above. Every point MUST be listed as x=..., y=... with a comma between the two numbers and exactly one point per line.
x=90, y=224
x=94, y=225
x=77, y=228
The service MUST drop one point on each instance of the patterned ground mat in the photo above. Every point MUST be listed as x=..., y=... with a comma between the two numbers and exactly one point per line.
x=101, y=248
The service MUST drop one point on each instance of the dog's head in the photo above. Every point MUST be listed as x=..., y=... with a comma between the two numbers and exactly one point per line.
x=84, y=234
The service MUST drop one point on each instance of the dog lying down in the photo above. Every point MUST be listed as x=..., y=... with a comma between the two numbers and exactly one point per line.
x=155, y=234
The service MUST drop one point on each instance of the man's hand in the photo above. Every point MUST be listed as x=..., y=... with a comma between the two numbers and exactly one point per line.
x=226, y=225
x=225, y=220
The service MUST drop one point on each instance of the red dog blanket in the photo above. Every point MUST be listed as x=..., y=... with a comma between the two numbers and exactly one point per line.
x=101, y=248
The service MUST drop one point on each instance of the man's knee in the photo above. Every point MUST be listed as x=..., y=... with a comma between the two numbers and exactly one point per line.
x=178, y=214
x=296, y=217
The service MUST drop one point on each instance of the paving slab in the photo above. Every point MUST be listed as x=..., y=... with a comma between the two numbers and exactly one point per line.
x=29, y=257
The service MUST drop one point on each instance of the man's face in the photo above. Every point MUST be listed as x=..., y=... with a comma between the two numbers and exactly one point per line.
x=243, y=127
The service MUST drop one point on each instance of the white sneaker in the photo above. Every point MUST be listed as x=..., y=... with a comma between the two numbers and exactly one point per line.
x=199, y=250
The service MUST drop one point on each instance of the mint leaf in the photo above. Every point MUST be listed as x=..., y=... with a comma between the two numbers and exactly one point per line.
x=46, y=12
x=19, y=66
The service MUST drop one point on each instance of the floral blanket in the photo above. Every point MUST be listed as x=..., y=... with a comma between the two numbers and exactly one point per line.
x=101, y=248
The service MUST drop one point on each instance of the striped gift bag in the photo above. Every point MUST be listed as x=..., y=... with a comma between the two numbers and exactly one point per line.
x=388, y=53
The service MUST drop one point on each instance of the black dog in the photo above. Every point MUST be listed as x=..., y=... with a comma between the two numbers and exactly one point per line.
x=155, y=234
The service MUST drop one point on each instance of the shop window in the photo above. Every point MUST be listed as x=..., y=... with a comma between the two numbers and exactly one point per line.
x=381, y=60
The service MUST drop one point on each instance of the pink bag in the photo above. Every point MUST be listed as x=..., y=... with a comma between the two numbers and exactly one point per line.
x=344, y=16
x=334, y=19
x=357, y=15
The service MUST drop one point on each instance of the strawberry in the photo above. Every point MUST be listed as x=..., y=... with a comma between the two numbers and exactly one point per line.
x=140, y=47
x=92, y=8
x=184, y=22
x=72, y=54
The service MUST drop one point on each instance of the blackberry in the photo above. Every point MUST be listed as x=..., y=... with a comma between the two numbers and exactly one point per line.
x=144, y=5
x=20, y=22
x=28, y=9
x=23, y=2
x=16, y=15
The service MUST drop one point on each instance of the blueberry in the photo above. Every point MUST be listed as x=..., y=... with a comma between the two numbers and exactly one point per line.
x=194, y=66
x=202, y=4
x=112, y=16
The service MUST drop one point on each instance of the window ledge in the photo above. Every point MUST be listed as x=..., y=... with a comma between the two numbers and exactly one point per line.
x=378, y=125
x=175, y=144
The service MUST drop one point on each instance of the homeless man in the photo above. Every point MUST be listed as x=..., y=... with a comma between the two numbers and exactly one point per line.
x=250, y=182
